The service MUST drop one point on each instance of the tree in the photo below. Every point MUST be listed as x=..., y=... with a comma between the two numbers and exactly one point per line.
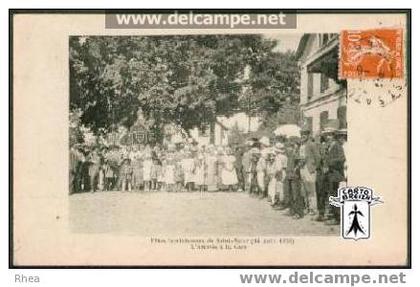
x=274, y=85
x=185, y=80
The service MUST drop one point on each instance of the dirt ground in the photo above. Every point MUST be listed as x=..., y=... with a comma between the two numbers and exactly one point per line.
x=187, y=214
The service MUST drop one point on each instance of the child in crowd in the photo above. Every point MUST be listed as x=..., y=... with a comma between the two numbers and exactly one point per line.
x=147, y=171
x=169, y=171
x=201, y=172
x=179, y=172
x=188, y=167
x=229, y=176
x=126, y=173
x=109, y=176
x=211, y=160
x=155, y=171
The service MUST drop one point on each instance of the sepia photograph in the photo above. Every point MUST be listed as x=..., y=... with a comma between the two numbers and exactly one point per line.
x=160, y=139
x=206, y=134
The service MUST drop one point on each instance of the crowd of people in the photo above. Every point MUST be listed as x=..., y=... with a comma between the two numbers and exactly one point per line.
x=295, y=174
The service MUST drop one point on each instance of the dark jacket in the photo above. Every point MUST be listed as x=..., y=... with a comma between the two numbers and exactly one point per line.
x=312, y=156
x=335, y=162
x=292, y=168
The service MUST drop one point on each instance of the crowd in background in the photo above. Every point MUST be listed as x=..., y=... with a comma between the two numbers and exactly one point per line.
x=295, y=174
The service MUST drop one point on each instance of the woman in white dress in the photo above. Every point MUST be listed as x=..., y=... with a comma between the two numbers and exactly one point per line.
x=200, y=172
x=211, y=162
x=147, y=170
x=136, y=161
x=229, y=176
x=281, y=164
x=188, y=166
x=271, y=170
x=169, y=172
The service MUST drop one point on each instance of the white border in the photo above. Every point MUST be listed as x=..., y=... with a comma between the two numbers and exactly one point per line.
x=164, y=277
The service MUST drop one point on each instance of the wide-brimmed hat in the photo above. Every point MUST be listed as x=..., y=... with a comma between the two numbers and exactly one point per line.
x=294, y=139
x=265, y=141
x=342, y=132
x=328, y=130
x=255, y=150
x=305, y=131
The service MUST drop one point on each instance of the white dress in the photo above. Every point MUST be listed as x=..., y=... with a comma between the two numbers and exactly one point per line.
x=211, y=172
x=271, y=174
x=200, y=171
x=169, y=172
x=229, y=176
x=261, y=166
x=188, y=167
x=147, y=170
x=281, y=164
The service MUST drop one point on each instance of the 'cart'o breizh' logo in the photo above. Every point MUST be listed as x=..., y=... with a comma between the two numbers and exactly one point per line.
x=355, y=203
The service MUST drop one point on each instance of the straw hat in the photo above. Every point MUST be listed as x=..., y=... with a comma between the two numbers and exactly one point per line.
x=265, y=141
x=342, y=132
x=329, y=130
x=255, y=150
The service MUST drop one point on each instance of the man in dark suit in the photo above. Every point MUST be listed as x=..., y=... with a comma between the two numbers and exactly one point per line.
x=292, y=183
x=75, y=163
x=309, y=159
x=322, y=180
x=334, y=162
x=94, y=169
x=239, y=153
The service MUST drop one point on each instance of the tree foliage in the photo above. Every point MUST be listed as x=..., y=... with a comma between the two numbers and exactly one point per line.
x=273, y=84
x=185, y=80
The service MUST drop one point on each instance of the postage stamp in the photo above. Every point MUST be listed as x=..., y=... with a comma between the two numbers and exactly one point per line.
x=375, y=53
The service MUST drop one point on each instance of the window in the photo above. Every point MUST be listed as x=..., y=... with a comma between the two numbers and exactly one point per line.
x=310, y=86
x=323, y=120
x=342, y=117
x=325, y=83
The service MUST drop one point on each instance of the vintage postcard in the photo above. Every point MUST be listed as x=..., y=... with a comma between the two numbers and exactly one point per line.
x=210, y=138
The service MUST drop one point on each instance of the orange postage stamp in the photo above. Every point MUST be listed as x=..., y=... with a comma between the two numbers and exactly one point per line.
x=375, y=53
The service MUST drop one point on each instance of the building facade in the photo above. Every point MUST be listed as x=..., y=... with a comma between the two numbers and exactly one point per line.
x=204, y=137
x=322, y=94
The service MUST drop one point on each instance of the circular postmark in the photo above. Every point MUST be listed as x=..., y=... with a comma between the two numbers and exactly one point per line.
x=376, y=93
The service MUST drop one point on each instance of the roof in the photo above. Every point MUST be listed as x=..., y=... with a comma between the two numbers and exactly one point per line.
x=302, y=45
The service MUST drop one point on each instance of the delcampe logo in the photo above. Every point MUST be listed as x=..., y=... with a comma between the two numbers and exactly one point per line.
x=355, y=203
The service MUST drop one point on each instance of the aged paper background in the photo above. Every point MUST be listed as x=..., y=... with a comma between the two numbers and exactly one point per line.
x=377, y=144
